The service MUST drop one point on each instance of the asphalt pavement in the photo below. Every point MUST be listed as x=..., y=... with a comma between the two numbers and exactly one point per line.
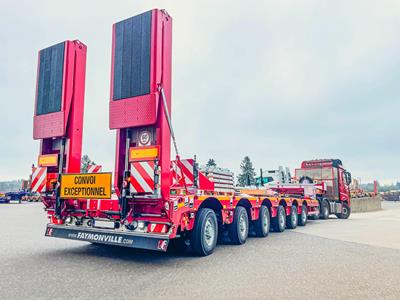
x=357, y=258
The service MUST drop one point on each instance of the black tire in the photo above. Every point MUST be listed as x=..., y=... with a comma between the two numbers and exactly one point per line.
x=205, y=232
x=239, y=229
x=279, y=222
x=324, y=212
x=292, y=219
x=303, y=216
x=346, y=211
x=262, y=224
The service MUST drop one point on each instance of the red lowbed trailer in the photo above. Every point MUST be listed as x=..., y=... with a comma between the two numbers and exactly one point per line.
x=158, y=200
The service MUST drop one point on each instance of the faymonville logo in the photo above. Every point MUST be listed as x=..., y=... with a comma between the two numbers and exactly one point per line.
x=99, y=237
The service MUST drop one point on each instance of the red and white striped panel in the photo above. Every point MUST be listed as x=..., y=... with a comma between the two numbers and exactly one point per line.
x=94, y=168
x=157, y=228
x=142, y=177
x=181, y=171
x=39, y=177
x=176, y=173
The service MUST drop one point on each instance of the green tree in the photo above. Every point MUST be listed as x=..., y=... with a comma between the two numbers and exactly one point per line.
x=247, y=175
x=211, y=163
x=85, y=162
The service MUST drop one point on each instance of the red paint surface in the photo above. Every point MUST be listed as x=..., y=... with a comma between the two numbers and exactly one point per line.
x=147, y=110
x=67, y=123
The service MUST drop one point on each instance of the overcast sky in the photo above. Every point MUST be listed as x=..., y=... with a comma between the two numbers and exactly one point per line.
x=281, y=81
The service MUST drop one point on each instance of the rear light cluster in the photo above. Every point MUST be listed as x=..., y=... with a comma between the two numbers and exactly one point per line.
x=89, y=222
x=75, y=221
x=147, y=227
x=137, y=225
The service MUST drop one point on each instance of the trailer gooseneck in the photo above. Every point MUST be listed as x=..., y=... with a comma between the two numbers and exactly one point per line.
x=157, y=200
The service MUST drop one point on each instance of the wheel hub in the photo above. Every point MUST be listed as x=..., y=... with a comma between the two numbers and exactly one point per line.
x=325, y=210
x=265, y=220
x=344, y=210
x=209, y=233
x=282, y=218
x=294, y=217
x=242, y=225
x=303, y=215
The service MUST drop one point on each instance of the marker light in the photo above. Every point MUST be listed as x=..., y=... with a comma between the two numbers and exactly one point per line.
x=141, y=225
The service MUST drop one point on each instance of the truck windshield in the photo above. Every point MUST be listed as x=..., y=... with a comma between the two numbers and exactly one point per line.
x=328, y=175
x=316, y=174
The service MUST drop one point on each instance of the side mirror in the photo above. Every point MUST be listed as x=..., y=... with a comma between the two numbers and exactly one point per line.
x=347, y=176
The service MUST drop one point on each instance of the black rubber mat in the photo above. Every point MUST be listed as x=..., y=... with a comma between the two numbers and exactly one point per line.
x=51, y=66
x=132, y=57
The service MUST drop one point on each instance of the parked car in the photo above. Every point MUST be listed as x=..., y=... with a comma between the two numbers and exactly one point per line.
x=3, y=198
x=15, y=196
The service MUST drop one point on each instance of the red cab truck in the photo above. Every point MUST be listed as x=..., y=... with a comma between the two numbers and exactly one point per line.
x=334, y=198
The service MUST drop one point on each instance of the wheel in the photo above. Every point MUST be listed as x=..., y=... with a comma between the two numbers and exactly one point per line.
x=262, y=224
x=239, y=229
x=205, y=232
x=292, y=219
x=324, y=213
x=346, y=211
x=303, y=216
x=279, y=222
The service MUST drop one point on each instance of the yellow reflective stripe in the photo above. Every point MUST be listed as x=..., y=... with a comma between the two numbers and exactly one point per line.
x=48, y=160
x=143, y=153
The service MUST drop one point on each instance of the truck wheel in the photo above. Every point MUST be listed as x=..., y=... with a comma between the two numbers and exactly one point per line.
x=292, y=219
x=239, y=229
x=279, y=222
x=262, y=224
x=205, y=232
x=346, y=210
x=303, y=216
x=324, y=213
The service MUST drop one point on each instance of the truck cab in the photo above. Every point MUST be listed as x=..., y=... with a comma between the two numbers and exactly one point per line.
x=335, y=197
